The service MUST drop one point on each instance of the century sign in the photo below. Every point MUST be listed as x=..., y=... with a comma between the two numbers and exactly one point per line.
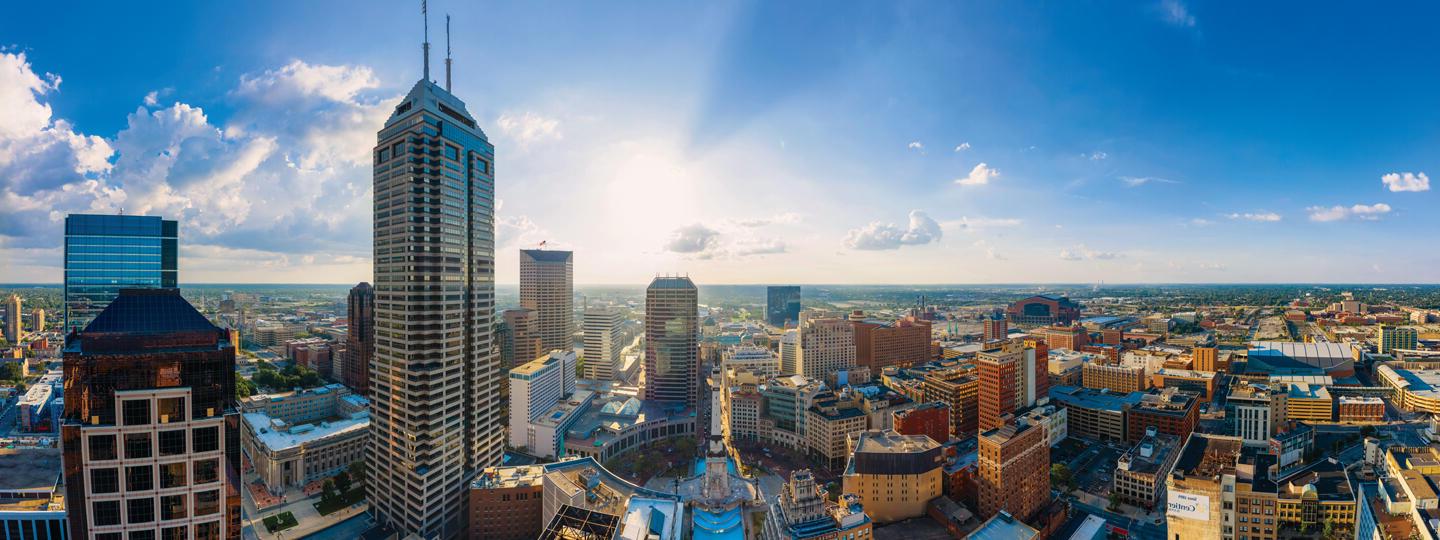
x=1188, y=506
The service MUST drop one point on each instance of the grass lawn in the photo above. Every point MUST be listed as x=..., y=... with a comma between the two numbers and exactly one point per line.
x=280, y=522
x=355, y=495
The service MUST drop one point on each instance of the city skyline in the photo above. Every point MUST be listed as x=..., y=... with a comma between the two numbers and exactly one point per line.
x=1164, y=142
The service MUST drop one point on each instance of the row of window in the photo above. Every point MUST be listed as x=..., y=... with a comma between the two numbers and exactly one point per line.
x=143, y=477
x=143, y=509
x=103, y=447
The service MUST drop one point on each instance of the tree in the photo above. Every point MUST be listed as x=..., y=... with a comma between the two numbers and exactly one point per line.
x=10, y=371
x=1114, y=501
x=1061, y=477
x=358, y=472
x=244, y=388
x=342, y=481
x=327, y=492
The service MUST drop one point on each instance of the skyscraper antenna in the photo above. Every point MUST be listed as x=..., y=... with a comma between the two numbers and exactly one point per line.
x=447, y=52
x=425, y=13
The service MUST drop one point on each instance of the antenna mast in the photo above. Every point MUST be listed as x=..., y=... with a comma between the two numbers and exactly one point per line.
x=425, y=12
x=447, y=52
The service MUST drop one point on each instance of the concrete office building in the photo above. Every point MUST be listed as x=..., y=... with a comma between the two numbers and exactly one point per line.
x=782, y=305
x=825, y=347
x=1254, y=412
x=359, y=338
x=759, y=361
x=1012, y=376
x=150, y=434
x=436, y=421
x=1014, y=471
x=602, y=343
x=672, y=346
x=789, y=341
x=547, y=285
x=105, y=253
x=295, y=438
x=895, y=476
x=523, y=339
x=37, y=320
x=535, y=387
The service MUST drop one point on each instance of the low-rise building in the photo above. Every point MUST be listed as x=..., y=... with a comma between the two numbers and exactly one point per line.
x=1415, y=389
x=930, y=419
x=1053, y=419
x=895, y=476
x=1198, y=382
x=1141, y=473
x=298, y=437
x=1097, y=415
x=1122, y=379
x=1169, y=410
x=1308, y=403
x=1360, y=409
x=32, y=495
x=506, y=503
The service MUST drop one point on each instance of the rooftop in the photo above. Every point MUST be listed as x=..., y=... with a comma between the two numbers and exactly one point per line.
x=29, y=470
x=1207, y=455
x=890, y=442
x=547, y=255
x=1160, y=446
x=1003, y=526
x=672, y=282
x=1090, y=398
x=282, y=436
x=1326, y=479
x=509, y=477
x=149, y=311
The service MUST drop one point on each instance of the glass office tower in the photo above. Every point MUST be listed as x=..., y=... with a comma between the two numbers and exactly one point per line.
x=782, y=304
x=104, y=254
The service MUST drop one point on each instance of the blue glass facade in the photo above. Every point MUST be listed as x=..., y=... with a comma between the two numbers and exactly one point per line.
x=782, y=304
x=106, y=253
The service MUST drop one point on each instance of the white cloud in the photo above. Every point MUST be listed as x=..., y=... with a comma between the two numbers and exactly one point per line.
x=1201, y=222
x=1368, y=212
x=1176, y=13
x=879, y=235
x=915, y=145
x=1406, y=181
x=699, y=241
x=979, y=176
x=1081, y=253
x=1097, y=156
x=759, y=247
x=966, y=223
x=528, y=128
x=962, y=147
x=1137, y=181
x=695, y=238
x=1254, y=216
x=989, y=250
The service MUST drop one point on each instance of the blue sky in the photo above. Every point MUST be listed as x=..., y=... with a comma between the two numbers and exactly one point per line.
x=815, y=142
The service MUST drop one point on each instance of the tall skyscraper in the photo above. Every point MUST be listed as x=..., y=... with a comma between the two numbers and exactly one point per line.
x=435, y=414
x=782, y=304
x=523, y=340
x=359, y=339
x=104, y=254
x=547, y=285
x=602, y=343
x=672, y=346
x=150, y=428
x=824, y=347
x=789, y=342
x=37, y=320
x=1000, y=370
x=12, y=318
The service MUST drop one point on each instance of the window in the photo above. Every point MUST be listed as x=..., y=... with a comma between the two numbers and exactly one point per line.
x=137, y=412
x=207, y=531
x=137, y=446
x=172, y=475
x=172, y=409
x=106, y=513
x=452, y=152
x=102, y=447
x=172, y=507
x=105, y=480
x=207, y=470
x=172, y=443
x=109, y=536
x=148, y=534
x=139, y=478
x=207, y=502
x=173, y=533
x=140, y=510
x=206, y=439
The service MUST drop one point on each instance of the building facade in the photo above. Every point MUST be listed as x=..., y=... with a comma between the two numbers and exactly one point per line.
x=547, y=286
x=782, y=305
x=359, y=338
x=150, y=429
x=435, y=422
x=895, y=476
x=602, y=343
x=880, y=344
x=13, y=316
x=535, y=387
x=1169, y=411
x=1141, y=473
x=1014, y=467
x=930, y=419
x=104, y=254
x=522, y=340
x=1122, y=379
x=672, y=346
x=825, y=347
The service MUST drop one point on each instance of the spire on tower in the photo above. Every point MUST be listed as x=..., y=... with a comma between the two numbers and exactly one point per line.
x=447, y=52
x=425, y=13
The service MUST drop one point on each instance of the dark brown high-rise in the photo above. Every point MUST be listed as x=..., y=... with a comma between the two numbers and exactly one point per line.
x=360, y=341
x=150, y=429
